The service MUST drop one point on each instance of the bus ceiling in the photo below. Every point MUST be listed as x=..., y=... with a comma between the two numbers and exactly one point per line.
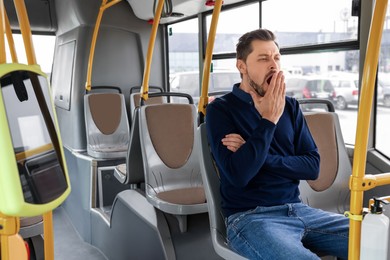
x=144, y=10
x=42, y=16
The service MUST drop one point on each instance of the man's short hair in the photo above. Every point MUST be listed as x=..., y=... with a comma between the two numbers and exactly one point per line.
x=244, y=45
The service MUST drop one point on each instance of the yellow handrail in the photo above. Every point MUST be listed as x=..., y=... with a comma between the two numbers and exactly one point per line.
x=24, y=24
x=10, y=39
x=149, y=55
x=3, y=58
x=9, y=224
x=102, y=8
x=203, y=100
x=358, y=181
x=48, y=235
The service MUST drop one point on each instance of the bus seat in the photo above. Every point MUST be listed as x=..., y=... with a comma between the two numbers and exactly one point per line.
x=106, y=124
x=211, y=183
x=132, y=172
x=134, y=158
x=331, y=190
x=173, y=182
x=135, y=98
x=135, y=102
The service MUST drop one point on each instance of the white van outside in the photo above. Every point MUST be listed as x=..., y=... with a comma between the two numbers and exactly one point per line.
x=221, y=81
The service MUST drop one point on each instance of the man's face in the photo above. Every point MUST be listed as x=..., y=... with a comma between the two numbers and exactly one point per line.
x=260, y=66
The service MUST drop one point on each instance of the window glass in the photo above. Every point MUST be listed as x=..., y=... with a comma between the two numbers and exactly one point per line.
x=382, y=141
x=319, y=75
x=330, y=21
x=184, y=57
x=183, y=46
x=232, y=24
x=44, y=50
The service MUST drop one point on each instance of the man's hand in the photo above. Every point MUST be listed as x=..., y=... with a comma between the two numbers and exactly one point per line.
x=271, y=106
x=233, y=142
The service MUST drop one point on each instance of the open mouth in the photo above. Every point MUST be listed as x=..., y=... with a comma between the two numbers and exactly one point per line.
x=269, y=78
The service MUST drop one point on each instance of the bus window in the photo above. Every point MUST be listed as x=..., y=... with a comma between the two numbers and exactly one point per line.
x=184, y=54
x=44, y=50
x=228, y=32
x=324, y=65
x=331, y=22
x=382, y=141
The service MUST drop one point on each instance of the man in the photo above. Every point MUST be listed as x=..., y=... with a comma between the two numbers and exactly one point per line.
x=263, y=148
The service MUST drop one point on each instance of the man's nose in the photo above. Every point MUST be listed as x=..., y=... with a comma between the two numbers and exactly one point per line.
x=274, y=65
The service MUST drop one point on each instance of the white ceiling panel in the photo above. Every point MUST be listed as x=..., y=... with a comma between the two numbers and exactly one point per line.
x=143, y=9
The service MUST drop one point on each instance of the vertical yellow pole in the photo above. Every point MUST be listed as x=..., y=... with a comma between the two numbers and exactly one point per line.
x=3, y=219
x=48, y=235
x=364, y=114
x=24, y=24
x=31, y=60
x=3, y=58
x=10, y=39
x=103, y=7
x=149, y=54
x=209, y=53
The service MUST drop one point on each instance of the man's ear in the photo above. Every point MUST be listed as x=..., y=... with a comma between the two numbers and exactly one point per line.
x=241, y=66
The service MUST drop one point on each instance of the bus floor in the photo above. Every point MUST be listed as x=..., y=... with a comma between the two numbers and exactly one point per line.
x=67, y=242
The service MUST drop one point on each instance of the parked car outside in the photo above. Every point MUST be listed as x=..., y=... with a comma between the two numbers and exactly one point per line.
x=383, y=94
x=347, y=90
x=310, y=87
x=221, y=81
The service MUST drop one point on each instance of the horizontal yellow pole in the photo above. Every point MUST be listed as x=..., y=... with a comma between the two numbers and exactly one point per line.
x=26, y=154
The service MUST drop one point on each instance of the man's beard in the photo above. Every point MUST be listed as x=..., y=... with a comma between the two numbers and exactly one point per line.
x=258, y=88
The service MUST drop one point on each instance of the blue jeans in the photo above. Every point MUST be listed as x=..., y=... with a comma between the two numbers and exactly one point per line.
x=291, y=231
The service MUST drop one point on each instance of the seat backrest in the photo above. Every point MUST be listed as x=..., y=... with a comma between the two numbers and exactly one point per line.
x=106, y=124
x=173, y=182
x=211, y=185
x=135, y=102
x=132, y=172
x=331, y=190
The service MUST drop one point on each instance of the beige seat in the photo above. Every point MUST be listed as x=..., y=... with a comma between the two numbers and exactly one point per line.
x=173, y=181
x=331, y=190
x=106, y=124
